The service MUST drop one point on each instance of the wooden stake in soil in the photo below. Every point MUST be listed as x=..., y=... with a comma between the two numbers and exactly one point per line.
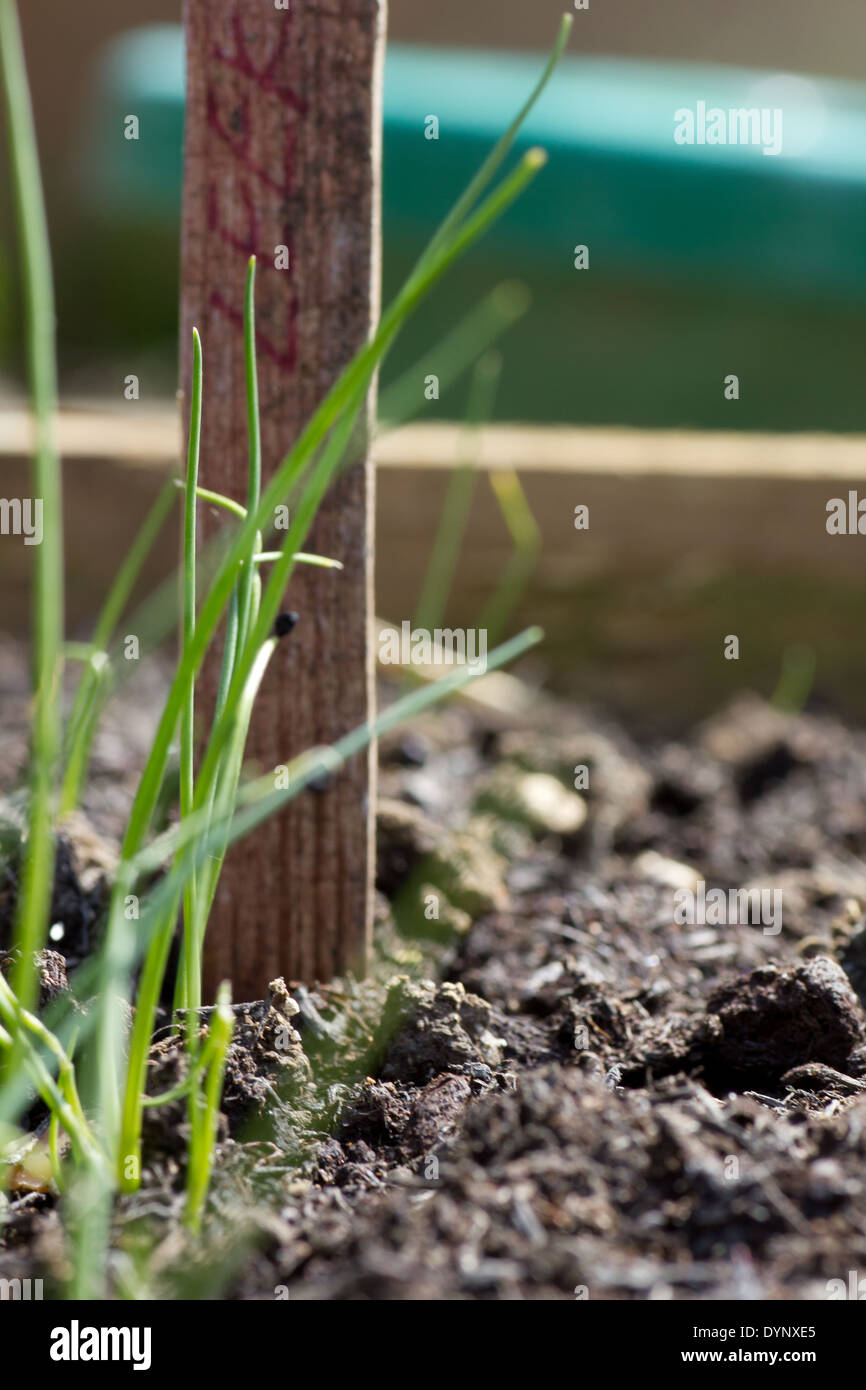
x=282, y=161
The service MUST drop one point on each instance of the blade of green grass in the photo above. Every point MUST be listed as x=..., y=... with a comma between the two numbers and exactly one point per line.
x=248, y=594
x=249, y=587
x=264, y=556
x=448, y=540
x=796, y=678
x=35, y=889
x=455, y=352
x=524, y=531
x=217, y=499
x=89, y=697
x=201, y=1155
x=187, y=727
x=500, y=150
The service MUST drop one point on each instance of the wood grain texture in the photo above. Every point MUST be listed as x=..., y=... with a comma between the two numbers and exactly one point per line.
x=283, y=149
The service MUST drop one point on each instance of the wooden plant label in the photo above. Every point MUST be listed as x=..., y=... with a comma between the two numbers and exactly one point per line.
x=282, y=160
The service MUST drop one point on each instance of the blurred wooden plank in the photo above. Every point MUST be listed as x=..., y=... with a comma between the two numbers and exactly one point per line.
x=152, y=435
x=565, y=449
x=634, y=609
x=133, y=433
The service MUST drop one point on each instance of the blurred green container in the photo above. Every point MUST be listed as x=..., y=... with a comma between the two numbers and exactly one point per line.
x=704, y=260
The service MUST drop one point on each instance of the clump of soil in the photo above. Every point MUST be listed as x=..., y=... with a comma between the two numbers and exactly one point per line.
x=266, y=1072
x=83, y=862
x=550, y=1087
x=779, y=1018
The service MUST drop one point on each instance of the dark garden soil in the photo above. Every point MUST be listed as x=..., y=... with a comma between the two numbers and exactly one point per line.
x=548, y=1087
